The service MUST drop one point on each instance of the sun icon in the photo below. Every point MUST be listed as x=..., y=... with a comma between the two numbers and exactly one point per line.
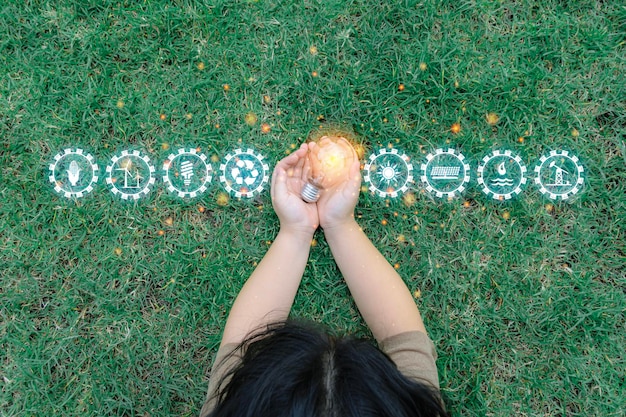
x=388, y=173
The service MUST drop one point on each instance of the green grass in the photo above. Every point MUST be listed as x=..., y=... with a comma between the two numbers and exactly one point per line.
x=525, y=301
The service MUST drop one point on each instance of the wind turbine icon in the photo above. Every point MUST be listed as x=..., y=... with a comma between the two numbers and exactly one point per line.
x=127, y=174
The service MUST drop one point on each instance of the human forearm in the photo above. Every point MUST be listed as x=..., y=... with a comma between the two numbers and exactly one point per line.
x=267, y=296
x=380, y=293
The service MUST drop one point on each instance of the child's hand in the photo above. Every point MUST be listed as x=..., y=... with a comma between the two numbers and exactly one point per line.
x=287, y=181
x=336, y=204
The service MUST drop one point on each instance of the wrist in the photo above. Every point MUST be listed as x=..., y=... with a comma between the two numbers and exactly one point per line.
x=339, y=228
x=297, y=234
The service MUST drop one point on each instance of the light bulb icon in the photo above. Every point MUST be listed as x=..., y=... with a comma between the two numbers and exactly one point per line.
x=186, y=170
x=329, y=160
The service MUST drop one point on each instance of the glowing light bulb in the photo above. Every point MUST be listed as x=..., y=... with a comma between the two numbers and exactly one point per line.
x=329, y=161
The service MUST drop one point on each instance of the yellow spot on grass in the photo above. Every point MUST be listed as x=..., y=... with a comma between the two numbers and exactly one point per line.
x=409, y=199
x=251, y=119
x=492, y=118
x=222, y=199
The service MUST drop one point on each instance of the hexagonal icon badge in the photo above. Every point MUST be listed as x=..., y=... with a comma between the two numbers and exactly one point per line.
x=73, y=173
x=559, y=175
x=187, y=173
x=388, y=173
x=501, y=175
x=131, y=175
x=445, y=173
x=244, y=174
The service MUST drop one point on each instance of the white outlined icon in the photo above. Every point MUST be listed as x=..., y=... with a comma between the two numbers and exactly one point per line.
x=388, y=173
x=559, y=175
x=502, y=175
x=445, y=173
x=187, y=173
x=130, y=174
x=73, y=173
x=244, y=173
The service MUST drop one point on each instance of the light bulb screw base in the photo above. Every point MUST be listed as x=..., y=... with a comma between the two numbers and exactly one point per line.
x=310, y=193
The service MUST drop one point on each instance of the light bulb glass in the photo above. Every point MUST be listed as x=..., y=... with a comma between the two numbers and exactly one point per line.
x=329, y=161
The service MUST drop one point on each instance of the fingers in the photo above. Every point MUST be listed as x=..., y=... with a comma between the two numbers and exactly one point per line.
x=291, y=166
x=278, y=178
x=305, y=174
x=355, y=169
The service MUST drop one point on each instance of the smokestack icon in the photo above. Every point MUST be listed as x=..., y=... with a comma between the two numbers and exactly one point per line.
x=186, y=170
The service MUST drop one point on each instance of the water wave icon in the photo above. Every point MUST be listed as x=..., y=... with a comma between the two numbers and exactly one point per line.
x=502, y=182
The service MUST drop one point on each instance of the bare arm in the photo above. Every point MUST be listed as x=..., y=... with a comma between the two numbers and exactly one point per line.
x=268, y=294
x=381, y=295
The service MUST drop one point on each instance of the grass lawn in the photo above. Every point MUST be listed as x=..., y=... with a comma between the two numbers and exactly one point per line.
x=116, y=308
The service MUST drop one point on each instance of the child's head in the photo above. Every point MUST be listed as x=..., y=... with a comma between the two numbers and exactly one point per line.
x=297, y=370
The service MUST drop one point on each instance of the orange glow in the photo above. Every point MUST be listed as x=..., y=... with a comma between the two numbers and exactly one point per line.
x=330, y=159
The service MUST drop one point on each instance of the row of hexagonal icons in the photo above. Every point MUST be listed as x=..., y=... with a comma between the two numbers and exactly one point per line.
x=244, y=173
x=501, y=174
x=132, y=175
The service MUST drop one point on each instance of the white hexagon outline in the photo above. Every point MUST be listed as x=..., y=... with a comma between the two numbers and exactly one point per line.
x=367, y=172
x=485, y=188
x=145, y=190
x=466, y=173
x=168, y=182
x=580, y=180
x=259, y=158
x=94, y=168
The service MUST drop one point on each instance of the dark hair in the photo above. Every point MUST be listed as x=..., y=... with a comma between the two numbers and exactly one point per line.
x=295, y=369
